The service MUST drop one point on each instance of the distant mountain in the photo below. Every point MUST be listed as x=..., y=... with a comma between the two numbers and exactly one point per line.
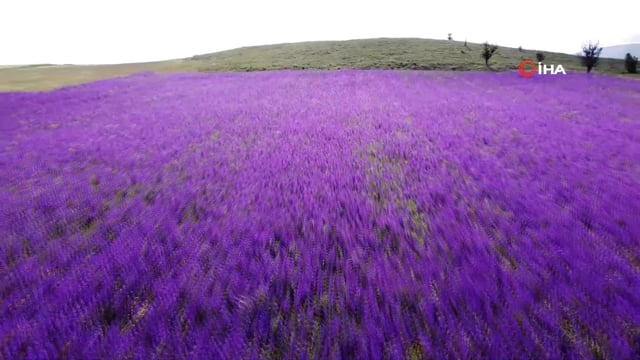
x=619, y=51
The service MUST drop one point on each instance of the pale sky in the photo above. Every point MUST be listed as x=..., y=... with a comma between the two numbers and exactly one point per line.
x=116, y=31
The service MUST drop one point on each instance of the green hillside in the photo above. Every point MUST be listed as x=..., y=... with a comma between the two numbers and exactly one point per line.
x=384, y=53
x=418, y=54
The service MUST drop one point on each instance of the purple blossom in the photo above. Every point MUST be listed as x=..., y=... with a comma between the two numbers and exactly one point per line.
x=348, y=214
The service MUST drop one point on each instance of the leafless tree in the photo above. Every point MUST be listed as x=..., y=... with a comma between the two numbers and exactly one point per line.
x=590, y=55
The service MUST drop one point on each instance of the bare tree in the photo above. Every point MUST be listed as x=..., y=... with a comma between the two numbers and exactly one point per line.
x=631, y=63
x=488, y=51
x=590, y=55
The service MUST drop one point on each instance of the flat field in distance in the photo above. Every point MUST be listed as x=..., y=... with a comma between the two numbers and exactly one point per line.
x=315, y=214
x=383, y=53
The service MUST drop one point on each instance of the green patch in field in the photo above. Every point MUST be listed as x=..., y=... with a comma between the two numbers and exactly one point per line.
x=419, y=225
x=88, y=225
x=119, y=196
x=58, y=230
x=415, y=351
x=505, y=256
x=568, y=331
x=133, y=191
x=27, y=248
x=191, y=212
x=385, y=177
x=149, y=197
x=95, y=183
x=139, y=314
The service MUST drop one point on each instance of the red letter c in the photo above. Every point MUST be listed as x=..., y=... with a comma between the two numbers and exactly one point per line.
x=529, y=73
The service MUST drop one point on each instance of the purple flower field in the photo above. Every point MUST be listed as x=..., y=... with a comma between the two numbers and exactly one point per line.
x=302, y=215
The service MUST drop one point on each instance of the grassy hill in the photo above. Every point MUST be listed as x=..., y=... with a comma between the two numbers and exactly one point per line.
x=383, y=53
x=418, y=54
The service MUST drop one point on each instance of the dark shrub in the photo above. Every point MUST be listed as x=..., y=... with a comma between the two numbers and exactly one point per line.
x=631, y=63
x=488, y=51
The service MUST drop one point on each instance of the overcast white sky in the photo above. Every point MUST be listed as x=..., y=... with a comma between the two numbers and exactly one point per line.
x=114, y=31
